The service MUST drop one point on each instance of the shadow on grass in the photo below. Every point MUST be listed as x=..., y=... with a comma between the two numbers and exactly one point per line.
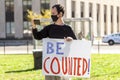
x=18, y=71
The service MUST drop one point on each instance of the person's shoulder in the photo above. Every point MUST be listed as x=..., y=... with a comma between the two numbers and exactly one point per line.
x=48, y=26
x=67, y=26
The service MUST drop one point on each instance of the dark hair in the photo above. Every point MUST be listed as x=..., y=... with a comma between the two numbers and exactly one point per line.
x=59, y=8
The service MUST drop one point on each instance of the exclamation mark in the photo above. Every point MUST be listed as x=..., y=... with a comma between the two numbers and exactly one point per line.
x=88, y=66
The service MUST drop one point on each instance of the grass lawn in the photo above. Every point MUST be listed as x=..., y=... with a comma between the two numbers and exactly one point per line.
x=20, y=67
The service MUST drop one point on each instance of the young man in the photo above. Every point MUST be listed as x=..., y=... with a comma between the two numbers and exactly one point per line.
x=57, y=30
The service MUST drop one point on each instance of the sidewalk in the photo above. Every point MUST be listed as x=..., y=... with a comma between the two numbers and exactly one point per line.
x=97, y=47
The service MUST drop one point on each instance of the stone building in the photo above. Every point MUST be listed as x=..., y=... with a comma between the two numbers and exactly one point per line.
x=105, y=14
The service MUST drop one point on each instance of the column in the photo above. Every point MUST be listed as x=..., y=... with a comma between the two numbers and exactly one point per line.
x=2, y=19
x=108, y=19
x=18, y=17
x=77, y=15
x=36, y=6
x=101, y=20
x=86, y=15
x=67, y=5
x=68, y=8
x=94, y=16
x=53, y=2
x=114, y=17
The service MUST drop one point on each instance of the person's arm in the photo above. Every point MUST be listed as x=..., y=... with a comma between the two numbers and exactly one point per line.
x=40, y=34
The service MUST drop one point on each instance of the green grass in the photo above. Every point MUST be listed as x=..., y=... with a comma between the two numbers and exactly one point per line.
x=20, y=67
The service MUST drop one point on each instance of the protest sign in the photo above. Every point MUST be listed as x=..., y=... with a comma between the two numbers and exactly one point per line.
x=62, y=58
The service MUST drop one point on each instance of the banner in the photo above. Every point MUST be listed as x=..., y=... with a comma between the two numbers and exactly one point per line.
x=62, y=58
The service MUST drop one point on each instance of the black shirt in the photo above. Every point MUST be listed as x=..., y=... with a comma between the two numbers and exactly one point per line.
x=54, y=31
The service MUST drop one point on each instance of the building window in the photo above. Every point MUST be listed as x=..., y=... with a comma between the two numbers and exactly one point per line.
x=26, y=24
x=98, y=11
x=111, y=13
x=82, y=9
x=90, y=9
x=111, y=19
x=105, y=24
x=73, y=8
x=45, y=4
x=105, y=9
x=118, y=19
x=9, y=11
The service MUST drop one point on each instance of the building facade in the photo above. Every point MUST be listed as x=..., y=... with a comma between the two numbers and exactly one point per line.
x=105, y=14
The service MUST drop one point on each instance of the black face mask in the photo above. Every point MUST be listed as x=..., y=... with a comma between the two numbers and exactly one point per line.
x=54, y=18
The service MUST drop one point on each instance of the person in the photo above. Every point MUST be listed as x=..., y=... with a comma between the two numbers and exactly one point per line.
x=80, y=35
x=57, y=30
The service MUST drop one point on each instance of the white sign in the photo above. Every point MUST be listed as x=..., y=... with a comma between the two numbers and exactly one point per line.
x=62, y=58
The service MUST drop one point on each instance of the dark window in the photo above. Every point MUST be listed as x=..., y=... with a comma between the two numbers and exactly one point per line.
x=73, y=8
x=117, y=14
x=82, y=9
x=98, y=10
x=111, y=13
x=90, y=9
x=45, y=4
x=27, y=5
x=9, y=11
x=9, y=8
x=105, y=9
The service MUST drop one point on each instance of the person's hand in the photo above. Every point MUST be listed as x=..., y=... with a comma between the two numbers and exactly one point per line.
x=33, y=24
x=68, y=38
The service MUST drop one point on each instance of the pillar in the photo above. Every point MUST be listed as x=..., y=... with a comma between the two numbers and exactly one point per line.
x=108, y=19
x=36, y=7
x=53, y=2
x=101, y=20
x=77, y=15
x=86, y=15
x=2, y=19
x=67, y=6
x=114, y=17
x=18, y=17
x=94, y=16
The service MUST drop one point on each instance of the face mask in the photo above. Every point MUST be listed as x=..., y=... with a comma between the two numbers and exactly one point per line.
x=54, y=18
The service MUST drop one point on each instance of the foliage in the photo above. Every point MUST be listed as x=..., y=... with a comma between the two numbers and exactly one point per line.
x=44, y=14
